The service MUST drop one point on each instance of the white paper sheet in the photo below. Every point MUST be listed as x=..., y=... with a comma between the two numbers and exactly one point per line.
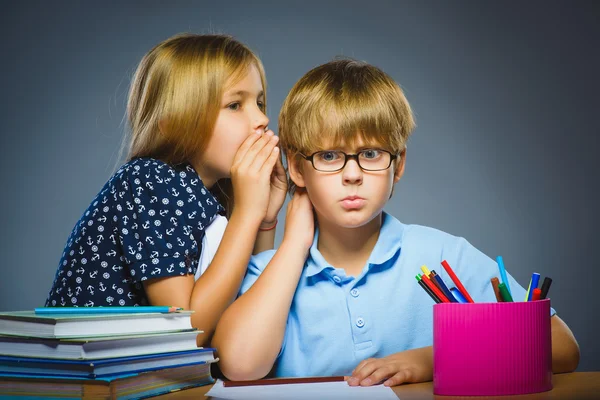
x=302, y=391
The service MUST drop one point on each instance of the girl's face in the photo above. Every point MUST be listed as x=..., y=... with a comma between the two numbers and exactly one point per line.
x=242, y=114
x=351, y=197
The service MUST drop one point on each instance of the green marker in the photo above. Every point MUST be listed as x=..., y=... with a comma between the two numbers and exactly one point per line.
x=505, y=293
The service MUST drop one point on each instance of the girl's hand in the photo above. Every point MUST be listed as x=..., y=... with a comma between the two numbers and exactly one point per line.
x=251, y=173
x=299, y=220
x=276, y=195
x=408, y=366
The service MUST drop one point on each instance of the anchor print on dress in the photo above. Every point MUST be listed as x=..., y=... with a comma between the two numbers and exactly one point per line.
x=146, y=213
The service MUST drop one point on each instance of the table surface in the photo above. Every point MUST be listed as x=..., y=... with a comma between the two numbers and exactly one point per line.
x=575, y=385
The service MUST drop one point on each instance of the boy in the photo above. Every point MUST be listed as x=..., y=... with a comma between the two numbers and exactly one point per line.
x=339, y=296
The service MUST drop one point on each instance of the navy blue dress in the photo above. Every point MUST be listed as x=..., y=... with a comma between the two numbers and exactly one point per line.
x=147, y=222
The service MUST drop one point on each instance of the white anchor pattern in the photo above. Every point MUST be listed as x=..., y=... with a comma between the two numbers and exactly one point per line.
x=148, y=221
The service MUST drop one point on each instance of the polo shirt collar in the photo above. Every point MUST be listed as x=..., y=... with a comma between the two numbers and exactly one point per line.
x=388, y=244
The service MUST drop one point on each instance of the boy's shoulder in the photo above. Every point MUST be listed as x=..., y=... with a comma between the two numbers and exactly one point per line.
x=422, y=232
x=414, y=235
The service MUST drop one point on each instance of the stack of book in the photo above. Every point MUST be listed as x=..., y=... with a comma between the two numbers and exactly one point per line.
x=100, y=353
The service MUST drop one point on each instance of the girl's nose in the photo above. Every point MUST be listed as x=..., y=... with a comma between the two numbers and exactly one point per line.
x=260, y=120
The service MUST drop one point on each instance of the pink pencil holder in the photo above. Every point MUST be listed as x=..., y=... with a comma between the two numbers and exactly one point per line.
x=489, y=349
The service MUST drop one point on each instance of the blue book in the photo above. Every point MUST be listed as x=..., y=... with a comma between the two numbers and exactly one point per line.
x=104, y=367
x=91, y=348
x=123, y=387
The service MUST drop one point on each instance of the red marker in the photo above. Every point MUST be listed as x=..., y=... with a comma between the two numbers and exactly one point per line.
x=537, y=292
x=434, y=289
x=456, y=281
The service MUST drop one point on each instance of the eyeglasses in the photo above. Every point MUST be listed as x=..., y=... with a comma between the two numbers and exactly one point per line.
x=335, y=160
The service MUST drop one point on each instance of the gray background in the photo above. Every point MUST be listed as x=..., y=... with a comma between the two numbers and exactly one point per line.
x=505, y=95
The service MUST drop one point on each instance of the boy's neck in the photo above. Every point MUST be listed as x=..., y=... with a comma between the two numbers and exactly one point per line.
x=348, y=248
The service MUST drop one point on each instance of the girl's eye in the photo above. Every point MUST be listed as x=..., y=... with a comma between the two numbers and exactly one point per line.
x=234, y=106
x=371, y=153
x=261, y=105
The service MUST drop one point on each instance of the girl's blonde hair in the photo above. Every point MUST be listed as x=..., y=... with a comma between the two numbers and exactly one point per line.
x=176, y=94
x=340, y=101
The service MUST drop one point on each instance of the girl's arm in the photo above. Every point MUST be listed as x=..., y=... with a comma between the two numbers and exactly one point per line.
x=250, y=333
x=218, y=286
x=265, y=240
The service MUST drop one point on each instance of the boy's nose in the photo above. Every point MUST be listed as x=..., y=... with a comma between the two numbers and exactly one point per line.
x=352, y=174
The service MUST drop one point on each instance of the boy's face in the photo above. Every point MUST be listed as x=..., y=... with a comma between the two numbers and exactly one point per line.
x=351, y=197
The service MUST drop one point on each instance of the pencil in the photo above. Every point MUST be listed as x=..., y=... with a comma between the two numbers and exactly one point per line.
x=435, y=290
x=426, y=288
x=284, y=381
x=456, y=281
x=432, y=276
x=443, y=287
x=106, y=310
x=495, y=282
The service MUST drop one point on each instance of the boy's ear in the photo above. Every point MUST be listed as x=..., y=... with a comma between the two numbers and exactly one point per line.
x=295, y=169
x=400, y=163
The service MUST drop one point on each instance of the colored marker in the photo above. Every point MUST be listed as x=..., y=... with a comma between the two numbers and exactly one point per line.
x=495, y=282
x=545, y=287
x=429, y=292
x=432, y=276
x=503, y=273
x=456, y=281
x=434, y=289
x=533, y=284
x=458, y=295
x=444, y=288
x=425, y=270
x=536, y=294
x=506, y=296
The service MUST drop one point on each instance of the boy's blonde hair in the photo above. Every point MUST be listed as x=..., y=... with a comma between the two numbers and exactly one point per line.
x=176, y=95
x=339, y=102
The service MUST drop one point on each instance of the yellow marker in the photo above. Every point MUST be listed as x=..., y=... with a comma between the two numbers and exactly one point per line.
x=528, y=289
x=425, y=271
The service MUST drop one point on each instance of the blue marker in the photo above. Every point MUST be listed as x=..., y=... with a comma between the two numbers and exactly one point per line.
x=458, y=295
x=503, y=273
x=535, y=280
x=444, y=288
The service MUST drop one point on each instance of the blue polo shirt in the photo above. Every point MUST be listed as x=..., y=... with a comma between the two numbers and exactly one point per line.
x=336, y=321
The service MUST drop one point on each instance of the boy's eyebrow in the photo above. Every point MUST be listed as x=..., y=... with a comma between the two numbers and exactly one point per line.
x=349, y=149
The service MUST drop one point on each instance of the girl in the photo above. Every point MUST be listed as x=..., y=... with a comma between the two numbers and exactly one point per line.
x=199, y=148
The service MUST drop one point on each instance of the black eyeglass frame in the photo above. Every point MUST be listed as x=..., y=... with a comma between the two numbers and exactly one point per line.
x=347, y=157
